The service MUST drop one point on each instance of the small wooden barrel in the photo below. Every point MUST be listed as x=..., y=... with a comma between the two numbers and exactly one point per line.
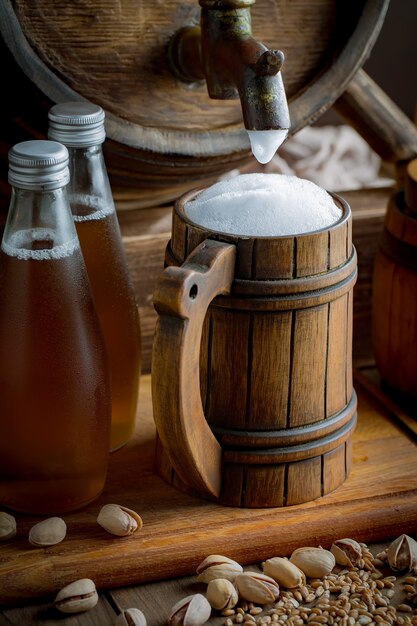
x=275, y=364
x=394, y=316
x=163, y=135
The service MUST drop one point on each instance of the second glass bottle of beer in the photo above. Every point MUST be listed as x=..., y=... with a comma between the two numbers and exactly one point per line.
x=80, y=127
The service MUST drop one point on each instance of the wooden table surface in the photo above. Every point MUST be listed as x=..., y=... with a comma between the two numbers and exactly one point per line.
x=155, y=599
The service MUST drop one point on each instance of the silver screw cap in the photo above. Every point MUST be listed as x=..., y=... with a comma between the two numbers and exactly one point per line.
x=77, y=124
x=38, y=165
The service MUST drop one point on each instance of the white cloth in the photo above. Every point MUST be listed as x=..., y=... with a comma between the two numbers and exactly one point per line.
x=335, y=157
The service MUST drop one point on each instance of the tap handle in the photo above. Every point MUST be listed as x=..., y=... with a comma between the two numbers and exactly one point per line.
x=269, y=63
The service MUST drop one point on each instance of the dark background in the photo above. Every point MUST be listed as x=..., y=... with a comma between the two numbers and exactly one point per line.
x=393, y=59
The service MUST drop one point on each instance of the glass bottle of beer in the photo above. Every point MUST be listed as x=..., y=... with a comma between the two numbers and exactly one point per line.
x=55, y=406
x=80, y=127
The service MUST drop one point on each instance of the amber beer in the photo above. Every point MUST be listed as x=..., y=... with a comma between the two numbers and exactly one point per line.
x=80, y=127
x=54, y=396
x=114, y=296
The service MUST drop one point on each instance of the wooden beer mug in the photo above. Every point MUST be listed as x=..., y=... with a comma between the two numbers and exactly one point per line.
x=252, y=362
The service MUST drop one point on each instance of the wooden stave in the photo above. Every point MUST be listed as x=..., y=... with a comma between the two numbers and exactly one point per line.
x=329, y=387
x=286, y=484
x=394, y=327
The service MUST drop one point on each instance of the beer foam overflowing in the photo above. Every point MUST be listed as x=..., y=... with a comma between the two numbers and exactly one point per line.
x=21, y=243
x=264, y=205
x=90, y=208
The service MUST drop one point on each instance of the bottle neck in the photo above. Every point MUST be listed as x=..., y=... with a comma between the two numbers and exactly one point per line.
x=39, y=225
x=89, y=188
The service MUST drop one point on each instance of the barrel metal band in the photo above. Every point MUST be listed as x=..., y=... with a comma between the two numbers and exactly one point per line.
x=231, y=437
x=301, y=452
x=288, y=302
x=284, y=294
x=398, y=251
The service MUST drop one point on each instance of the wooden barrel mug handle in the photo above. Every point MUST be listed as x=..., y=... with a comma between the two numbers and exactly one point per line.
x=181, y=298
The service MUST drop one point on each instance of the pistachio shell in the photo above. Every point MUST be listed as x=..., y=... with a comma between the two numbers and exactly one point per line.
x=119, y=520
x=130, y=617
x=284, y=572
x=314, y=562
x=402, y=553
x=222, y=594
x=217, y=566
x=7, y=526
x=193, y=610
x=257, y=588
x=346, y=551
x=79, y=596
x=48, y=532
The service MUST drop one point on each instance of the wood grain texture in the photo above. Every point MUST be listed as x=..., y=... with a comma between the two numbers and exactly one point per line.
x=312, y=258
x=368, y=210
x=334, y=470
x=394, y=299
x=309, y=363
x=181, y=298
x=270, y=370
x=266, y=358
x=339, y=356
x=154, y=599
x=116, y=56
x=377, y=501
x=101, y=615
x=304, y=478
x=229, y=345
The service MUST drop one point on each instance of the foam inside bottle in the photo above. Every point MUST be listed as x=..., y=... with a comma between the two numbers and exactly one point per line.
x=22, y=245
x=264, y=205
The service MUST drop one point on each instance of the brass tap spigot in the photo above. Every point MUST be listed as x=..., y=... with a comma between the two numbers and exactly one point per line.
x=224, y=53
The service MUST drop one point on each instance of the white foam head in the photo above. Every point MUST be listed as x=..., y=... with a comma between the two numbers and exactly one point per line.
x=265, y=143
x=264, y=205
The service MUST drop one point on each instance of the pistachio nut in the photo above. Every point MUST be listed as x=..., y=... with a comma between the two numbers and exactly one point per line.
x=7, y=526
x=48, y=532
x=402, y=554
x=217, y=566
x=81, y=595
x=130, y=617
x=314, y=562
x=222, y=594
x=257, y=588
x=284, y=572
x=193, y=610
x=346, y=551
x=119, y=520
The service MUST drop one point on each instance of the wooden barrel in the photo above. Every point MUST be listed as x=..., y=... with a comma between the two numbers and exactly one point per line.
x=394, y=311
x=275, y=364
x=166, y=136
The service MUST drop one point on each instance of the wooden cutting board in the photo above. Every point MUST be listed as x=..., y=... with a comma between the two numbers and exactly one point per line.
x=378, y=501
